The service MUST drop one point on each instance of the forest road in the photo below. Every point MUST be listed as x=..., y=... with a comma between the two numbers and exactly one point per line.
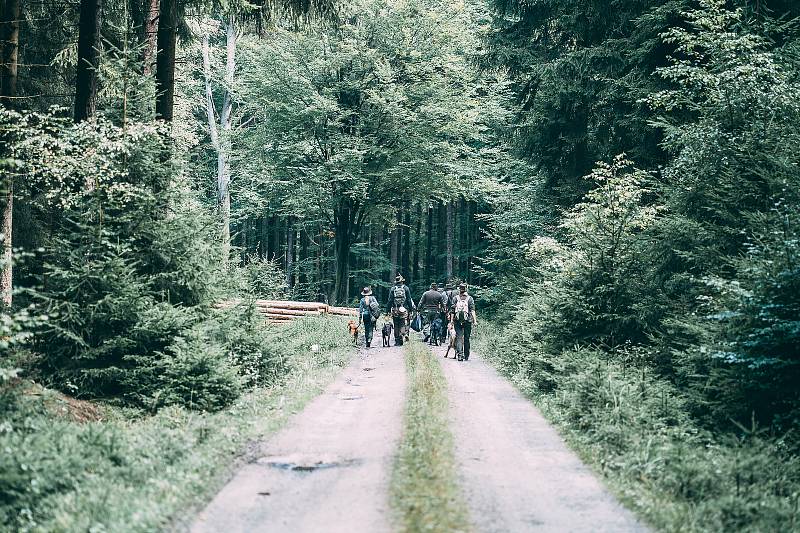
x=516, y=472
x=329, y=468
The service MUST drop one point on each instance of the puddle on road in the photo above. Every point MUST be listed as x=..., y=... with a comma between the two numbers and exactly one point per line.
x=299, y=463
x=367, y=369
x=351, y=397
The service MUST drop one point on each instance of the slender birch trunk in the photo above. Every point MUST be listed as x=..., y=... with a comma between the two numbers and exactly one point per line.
x=220, y=134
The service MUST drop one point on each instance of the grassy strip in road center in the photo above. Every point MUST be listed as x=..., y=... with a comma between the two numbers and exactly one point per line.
x=425, y=492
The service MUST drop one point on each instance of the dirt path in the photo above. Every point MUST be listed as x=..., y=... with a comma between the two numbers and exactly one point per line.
x=516, y=472
x=329, y=469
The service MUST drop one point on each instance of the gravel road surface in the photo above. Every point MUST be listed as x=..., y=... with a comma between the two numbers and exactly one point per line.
x=516, y=472
x=329, y=469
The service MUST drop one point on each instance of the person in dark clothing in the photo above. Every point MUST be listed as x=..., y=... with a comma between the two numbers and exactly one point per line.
x=399, y=306
x=464, y=318
x=368, y=312
x=430, y=305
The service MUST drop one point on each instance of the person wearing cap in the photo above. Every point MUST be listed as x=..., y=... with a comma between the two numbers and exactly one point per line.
x=431, y=305
x=366, y=313
x=463, y=313
x=398, y=307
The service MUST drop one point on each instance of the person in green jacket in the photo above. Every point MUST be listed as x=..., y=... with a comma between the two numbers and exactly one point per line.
x=368, y=312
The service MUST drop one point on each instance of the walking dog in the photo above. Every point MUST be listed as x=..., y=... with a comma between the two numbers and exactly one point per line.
x=386, y=332
x=451, y=340
x=352, y=327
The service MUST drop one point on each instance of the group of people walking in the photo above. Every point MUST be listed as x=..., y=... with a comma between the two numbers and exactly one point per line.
x=449, y=305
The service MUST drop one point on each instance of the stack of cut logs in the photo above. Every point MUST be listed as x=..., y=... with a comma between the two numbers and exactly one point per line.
x=283, y=311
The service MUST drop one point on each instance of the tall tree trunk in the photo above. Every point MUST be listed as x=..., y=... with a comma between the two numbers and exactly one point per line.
x=342, y=243
x=381, y=267
x=165, y=58
x=220, y=135
x=320, y=259
x=429, y=244
x=88, y=59
x=393, y=244
x=406, y=255
x=449, y=238
x=417, y=241
x=277, y=252
x=263, y=238
x=9, y=40
x=303, y=259
x=458, y=238
x=9, y=35
x=6, y=227
x=150, y=36
x=290, y=234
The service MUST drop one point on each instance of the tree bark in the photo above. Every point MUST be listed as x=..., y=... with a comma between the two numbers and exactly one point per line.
x=429, y=244
x=11, y=11
x=417, y=239
x=302, y=259
x=9, y=35
x=393, y=244
x=165, y=58
x=10, y=45
x=150, y=36
x=290, y=235
x=342, y=243
x=449, y=238
x=220, y=135
x=6, y=227
x=89, y=44
x=406, y=255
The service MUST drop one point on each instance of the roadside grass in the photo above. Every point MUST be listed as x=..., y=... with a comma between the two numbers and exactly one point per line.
x=634, y=430
x=132, y=472
x=424, y=490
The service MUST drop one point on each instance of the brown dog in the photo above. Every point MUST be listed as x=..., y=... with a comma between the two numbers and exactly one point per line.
x=451, y=339
x=352, y=327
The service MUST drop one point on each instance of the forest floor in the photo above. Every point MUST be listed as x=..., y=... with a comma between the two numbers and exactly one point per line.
x=330, y=469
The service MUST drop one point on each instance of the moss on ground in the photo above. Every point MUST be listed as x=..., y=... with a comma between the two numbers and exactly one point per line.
x=425, y=492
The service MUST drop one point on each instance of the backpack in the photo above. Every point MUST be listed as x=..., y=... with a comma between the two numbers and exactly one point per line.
x=462, y=309
x=374, y=307
x=398, y=296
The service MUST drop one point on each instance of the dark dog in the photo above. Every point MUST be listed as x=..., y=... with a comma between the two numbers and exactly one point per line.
x=386, y=332
x=352, y=327
x=437, y=332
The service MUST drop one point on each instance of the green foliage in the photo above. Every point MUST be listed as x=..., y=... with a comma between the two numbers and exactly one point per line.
x=129, y=473
x=661, y=311
x=634, y=428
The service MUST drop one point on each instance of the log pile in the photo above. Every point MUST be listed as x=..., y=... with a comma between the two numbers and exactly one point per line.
x=284, y=311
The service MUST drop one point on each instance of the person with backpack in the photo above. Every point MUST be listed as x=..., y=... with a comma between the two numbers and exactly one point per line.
x=398, y=307
x=463, y=316
x=368, y=312
x=431, y=306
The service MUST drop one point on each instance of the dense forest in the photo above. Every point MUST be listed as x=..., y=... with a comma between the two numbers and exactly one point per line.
x=618, y=182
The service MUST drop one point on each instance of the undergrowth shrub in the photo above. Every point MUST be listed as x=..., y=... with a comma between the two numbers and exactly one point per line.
x=635, y=428
x=134, y=472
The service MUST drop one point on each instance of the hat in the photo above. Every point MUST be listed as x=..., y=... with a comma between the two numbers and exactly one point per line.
x=366, y=292
x=399, y=279
x=448, y=285
x=433, y=285
x=462, y=285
